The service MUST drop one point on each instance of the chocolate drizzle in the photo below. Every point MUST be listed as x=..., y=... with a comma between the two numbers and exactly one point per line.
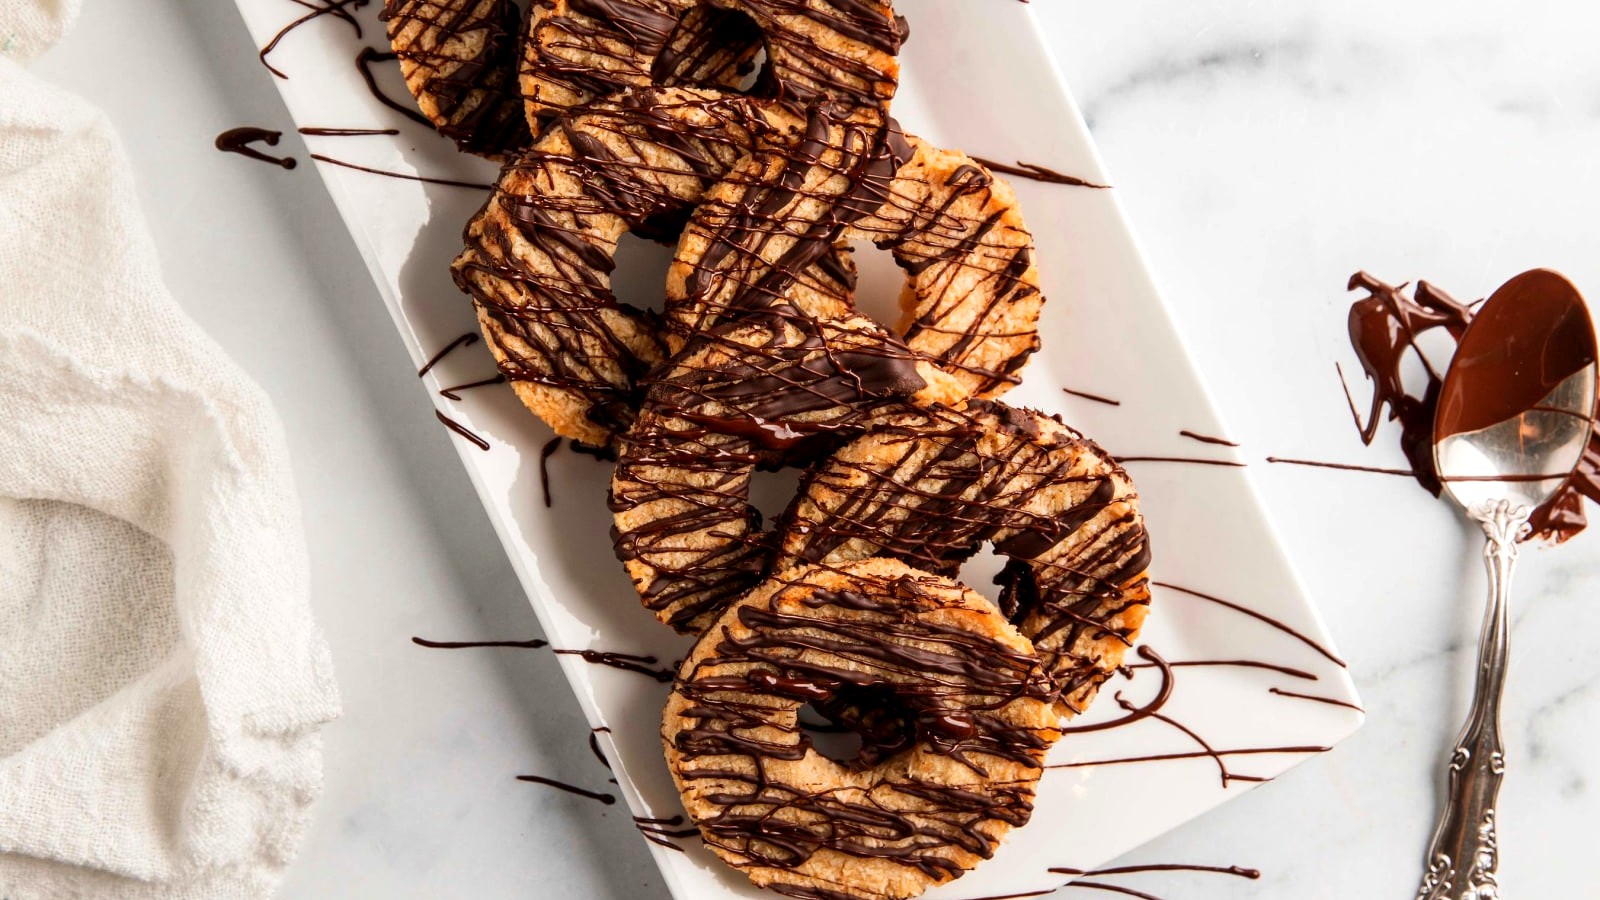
x=1263, y=618
x=539, y=255
x=598, y=48
x=238, y=140
x=401, y=175
x=462, y=430
x=548, y=451
x=533, y=644
x=775, y=382
x=1095, y=397
x=466, y=340
x=601, y=796
x=339, y=9
x=364, y=60
x=930, y=487
x=1204, y=439
x=855, y=175
x=347, y=132
x=1384, y=329
x=627, y=662
x=953, y=690
x=460, y=60
x=1038, y=173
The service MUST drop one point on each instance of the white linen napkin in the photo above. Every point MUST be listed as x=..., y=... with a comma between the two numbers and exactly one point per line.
x=162, y=681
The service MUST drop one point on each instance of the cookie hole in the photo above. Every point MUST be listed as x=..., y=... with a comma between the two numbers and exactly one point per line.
x=832, y=740
x=641, y=274
x=979, y=573
x=771, y=491
x=715, y=30
x=879, y=283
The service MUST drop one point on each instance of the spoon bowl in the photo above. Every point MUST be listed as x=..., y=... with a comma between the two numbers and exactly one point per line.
x=1518, y=401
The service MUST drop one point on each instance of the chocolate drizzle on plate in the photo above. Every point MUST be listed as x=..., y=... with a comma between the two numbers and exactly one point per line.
x=402, y=175
x=466, y=340
x=1037, y=173
x=364, y=60
x=1205, y=439
x=339, y=9
x=462, y=430
x=600, y=796
x=1094, y=397
x=238, y=140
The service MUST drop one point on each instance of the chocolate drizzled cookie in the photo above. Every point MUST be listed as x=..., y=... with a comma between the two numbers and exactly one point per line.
x=579, y=50
x=950, y=759
x=684, y=525
x=459, y=60
x=539, y=254
x=973, y=299
x=931, y=486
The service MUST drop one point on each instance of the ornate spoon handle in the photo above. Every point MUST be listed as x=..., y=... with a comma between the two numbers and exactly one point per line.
x=1463, y=856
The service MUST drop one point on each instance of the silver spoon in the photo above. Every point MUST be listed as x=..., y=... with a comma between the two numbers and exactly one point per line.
x=1514, y=416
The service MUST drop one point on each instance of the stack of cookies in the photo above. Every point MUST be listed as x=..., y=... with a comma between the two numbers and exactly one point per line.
x=756, y=136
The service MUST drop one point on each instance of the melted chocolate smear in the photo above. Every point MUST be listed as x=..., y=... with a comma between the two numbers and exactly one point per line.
x=1532, y=337
x=339, y=9
x=1037, y=173
x=1260, y=617
x=1204, y=439
x=462, y=430
x=1384, y=328
x=466, y=340
x=1095, y=397
x=476, y=185
x=463, y=645
x=548, y=451
x=607, y=799
x=238, y=140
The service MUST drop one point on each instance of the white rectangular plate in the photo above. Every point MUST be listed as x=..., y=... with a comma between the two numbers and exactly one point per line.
x=977, y=77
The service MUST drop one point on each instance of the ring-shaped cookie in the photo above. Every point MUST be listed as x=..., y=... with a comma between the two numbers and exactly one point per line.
x=578, y=50
x=684, y=525
x=459, y=61
x=970, y=702
x=972, y=301
x=539, y=254
x=929, y=486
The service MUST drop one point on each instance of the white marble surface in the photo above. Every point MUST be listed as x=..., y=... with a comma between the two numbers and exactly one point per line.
x=1264, y=151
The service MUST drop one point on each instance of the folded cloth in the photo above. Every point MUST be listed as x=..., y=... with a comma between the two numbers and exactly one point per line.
x=162, y=681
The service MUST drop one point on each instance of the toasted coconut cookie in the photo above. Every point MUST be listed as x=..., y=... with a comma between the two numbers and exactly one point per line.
x=459, y=59
x=972, y=302
x=684, y=525
x=539, y=254
x=952, y=749
x=930, y=486
x=580, y=50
